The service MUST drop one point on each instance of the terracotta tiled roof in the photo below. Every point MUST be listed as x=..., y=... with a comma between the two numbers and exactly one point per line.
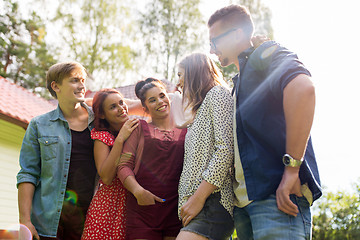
x=18, y=105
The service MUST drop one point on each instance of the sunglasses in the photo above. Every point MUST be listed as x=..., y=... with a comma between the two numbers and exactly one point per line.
x=214, y=40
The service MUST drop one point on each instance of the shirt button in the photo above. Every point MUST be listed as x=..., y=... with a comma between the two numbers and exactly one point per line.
x=58, y=210
x=68, y=142
x=67, y=159
x=65, y=175
x=62, y=192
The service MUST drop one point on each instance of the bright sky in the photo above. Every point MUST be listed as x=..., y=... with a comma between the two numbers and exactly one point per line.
x=324, y=34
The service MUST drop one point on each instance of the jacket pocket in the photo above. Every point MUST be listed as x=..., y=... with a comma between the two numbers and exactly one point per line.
x=48, y=147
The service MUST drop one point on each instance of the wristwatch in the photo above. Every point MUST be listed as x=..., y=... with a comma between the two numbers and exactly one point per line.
x=289, y=161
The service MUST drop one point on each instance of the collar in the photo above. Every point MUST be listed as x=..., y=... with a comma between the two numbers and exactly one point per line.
x=242, y=58
x=235, y=78
x=245, y=54
x=58, y=114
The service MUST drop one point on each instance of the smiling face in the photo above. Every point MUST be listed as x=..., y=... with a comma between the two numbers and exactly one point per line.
x=157, y=102
x=115, y=111
x=72, y=88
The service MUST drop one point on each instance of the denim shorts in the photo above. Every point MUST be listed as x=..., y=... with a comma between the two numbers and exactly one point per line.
x=263, y=220
x=213, y=221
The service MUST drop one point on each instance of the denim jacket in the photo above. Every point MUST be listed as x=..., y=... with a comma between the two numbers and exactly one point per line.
x=44, y=162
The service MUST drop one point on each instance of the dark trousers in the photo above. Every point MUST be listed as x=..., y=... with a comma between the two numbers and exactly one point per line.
x=71, y=223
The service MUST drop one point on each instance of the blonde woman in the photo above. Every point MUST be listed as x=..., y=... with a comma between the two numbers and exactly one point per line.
x=205, y=188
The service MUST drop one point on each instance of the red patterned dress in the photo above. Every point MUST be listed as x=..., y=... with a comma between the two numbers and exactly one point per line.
x=105, y=217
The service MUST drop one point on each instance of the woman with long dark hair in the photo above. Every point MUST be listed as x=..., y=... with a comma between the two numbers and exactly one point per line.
x=106, y=215
x=150, y=168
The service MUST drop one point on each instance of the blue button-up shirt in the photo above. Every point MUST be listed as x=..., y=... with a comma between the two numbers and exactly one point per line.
x=44, y=162
x=260, y=120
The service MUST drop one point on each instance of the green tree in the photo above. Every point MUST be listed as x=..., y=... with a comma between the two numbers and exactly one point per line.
x=337, y=216
x=261, y=16
x=170, y=28
x=24, y=54
x=97, y=33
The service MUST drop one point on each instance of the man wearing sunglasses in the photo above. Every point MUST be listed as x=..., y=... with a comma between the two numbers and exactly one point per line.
x=276, y=175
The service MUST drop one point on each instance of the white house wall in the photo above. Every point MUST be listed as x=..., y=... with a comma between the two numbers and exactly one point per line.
x=11, y=137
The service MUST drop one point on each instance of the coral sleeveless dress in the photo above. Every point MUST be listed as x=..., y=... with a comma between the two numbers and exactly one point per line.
x=105, y=218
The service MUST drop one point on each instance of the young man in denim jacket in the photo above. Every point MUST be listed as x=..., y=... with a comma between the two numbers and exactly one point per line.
x=57, y=175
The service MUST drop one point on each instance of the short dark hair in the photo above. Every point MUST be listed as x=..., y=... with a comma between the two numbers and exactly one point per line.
x=58, y=72
x=234, y=16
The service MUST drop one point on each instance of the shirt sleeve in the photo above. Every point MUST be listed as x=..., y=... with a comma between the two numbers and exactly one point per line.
x=130, y=156
x=280, y=66
x=103, y=136
x=30, y=158
x=181, y=116
x=221, y=162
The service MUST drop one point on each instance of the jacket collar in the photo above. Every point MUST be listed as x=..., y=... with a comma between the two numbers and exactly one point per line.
x=57, y=114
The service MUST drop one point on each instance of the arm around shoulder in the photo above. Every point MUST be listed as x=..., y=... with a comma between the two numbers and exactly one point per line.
x=107, y=158
x=135, y=107
x=128, y=158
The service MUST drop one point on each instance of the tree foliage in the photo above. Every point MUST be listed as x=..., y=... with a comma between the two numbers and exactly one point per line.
x=97, y=34
x=24, y=53
x=109, y=37
x=337, y=216
x=170, y=28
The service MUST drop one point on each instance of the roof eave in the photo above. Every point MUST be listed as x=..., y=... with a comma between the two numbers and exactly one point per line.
x=13, y=120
